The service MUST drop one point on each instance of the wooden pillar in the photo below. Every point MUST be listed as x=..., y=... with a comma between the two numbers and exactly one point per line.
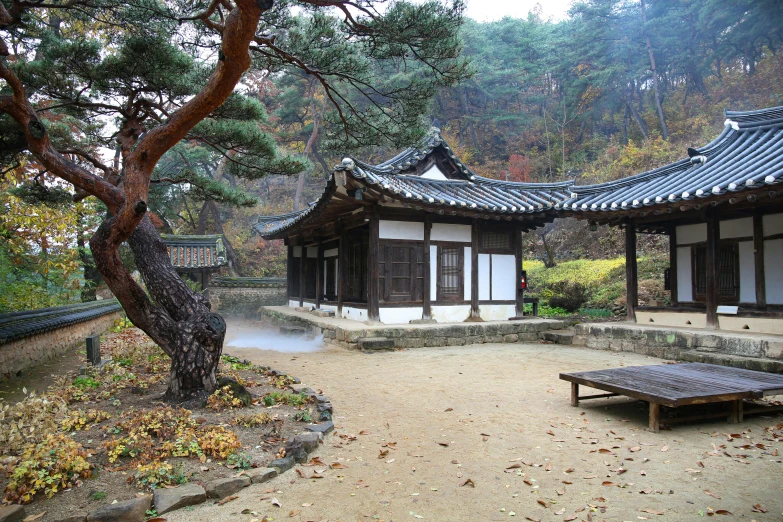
x=758, y=260
x=341, y=257
x=373, y=274
x=673, y=264
x=426, y=313
x=302, y=259
x=713, y=244
x=474, y=272
x=319, y=276
x=289, y=273
x=631, y=283
x=520, y=294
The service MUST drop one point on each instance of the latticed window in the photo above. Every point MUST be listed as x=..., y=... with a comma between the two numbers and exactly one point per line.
x=495, y=240
x=728, y=272
x=450, y=273
x=401, y=272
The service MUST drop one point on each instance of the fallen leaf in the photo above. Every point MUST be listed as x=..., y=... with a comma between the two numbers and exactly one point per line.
x=383, y=454
x=550, y=432
x=646, y=491
x=315, y=461
x=543, y=503
x=364, y=432
x=227, y=500
x=389, y=461
x=758, y=508
x=560, y=511
x=316, y=476
x=548, y=467
x=590, y=476
x=533, y=519
x=295, y=512
x=34, y=517
x=468, y=482
x=651, y=511
x=337, y=465
x=560, y=492
x=608, y=483
x=634, y=449
x=300, y=472
x=710, y=493
x=723, y=512
x=665, y=448
x=570, y=518
x=307, y=504
x=569, y=470
x=528, y=482
x=449, y=409
x=276, y=502
x=156, y=519
x=444, y=444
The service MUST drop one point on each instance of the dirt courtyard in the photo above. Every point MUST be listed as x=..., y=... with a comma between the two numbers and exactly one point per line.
x=486, y=433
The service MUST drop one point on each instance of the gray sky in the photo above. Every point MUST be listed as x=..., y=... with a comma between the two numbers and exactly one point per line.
x=488, y=10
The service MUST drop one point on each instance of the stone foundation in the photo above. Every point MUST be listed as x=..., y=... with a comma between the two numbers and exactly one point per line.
x=753, y=352
x=19, y=355
x=347, y=333
x=245, y=295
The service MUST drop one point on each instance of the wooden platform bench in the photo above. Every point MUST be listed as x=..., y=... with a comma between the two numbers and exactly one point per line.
x=675, y=385
x=534, y=302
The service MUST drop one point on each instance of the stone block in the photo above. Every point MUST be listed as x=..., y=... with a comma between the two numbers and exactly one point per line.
x=13, y=513
x=324, y=406
x=323, y=313
x=494, y=339
x=510, y=338
x=258, y=475
x=166, y=500
x=282, y=465
x=133, y=510
x=323, y=427
x=774, y=350
x=310, y=440
x=455, y=341
x=293, y=330
x=528, y=337
x=221, y=488
x=329, y=334
x=374, y=344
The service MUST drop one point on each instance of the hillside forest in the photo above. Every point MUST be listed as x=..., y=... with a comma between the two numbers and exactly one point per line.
x=616, y=88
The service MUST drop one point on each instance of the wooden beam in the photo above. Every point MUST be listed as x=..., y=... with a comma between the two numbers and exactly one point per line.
x=289, y=274
x=758, y=260
x=520, y=294
x=426, y=313
x=673, y=263
x=302, y=260
x=373, y=275
x=341, y=262
x=631, y=272
x=474, y=272
x=319, y=276
x=713, y=243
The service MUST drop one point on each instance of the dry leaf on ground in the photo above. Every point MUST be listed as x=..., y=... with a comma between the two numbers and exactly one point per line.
x=227, y=499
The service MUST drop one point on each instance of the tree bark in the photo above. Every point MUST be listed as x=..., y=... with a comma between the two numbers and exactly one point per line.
x=659, y=107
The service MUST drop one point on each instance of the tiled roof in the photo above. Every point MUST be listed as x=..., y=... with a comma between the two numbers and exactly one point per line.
x=747, y=155
x=18, y=325
x=399, y=179
x=248, y=282
x=192, y=252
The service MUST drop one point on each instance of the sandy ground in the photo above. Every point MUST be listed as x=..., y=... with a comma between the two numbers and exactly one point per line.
x=454, y=419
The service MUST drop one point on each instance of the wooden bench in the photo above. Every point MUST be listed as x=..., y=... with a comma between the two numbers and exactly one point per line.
x=675, y=385
x=534, y=302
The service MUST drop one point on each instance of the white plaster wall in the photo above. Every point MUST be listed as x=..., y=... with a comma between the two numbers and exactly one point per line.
x=497, y=312
x=329, y=307
x=332, y=252
x=742, y=227
x=747, y=272
x=297, y=251
x=687, y=234
x=684, y=276
x=400, y=315
x=773, y=270
x=433, y=272
x=312, y=251
x=434, y=173
x=503, y=278
x=357, y=314
x=772, y=224
x=450, y=314
x=484, y=261
x=449, y=232
x=407, y=230
x=293, y=303
x=468, y=267
x=686, y=320
x=750, y=324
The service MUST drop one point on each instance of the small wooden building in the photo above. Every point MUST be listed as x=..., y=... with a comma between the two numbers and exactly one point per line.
x=418, y=237
x=197, y=257
x=723, y=212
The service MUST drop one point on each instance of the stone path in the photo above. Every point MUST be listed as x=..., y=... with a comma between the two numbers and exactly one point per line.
x=429, y=434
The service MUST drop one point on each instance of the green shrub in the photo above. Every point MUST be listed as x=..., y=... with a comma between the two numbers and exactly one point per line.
x=569, y=295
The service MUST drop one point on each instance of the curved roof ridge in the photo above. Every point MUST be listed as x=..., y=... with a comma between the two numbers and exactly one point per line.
x=757, y=115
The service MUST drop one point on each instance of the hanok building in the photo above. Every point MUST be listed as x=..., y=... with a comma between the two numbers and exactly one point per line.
x=723, y=215
x=418, y=237
x=196, y=257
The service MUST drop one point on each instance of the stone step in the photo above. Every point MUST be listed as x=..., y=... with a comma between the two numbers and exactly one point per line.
x=736, y=361
x=374, y=344
x=323, y=313
x=293, y=330
x=559, y=336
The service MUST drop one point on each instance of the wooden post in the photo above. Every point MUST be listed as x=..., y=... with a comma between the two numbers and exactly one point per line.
x=655, y=417
x=520, y=294
x=319, y=276
x=631, y=283
x=673, y=264
x=302, y=259
x=426, y=312
x=289, y=275
x=373, y=275
x=574, y=394
x=758, y=260
x=341, y=262
x=474, y=272
x=712, y=297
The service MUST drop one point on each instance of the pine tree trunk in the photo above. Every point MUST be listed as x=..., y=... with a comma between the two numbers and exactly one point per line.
x=659, y=107
x=177, y=319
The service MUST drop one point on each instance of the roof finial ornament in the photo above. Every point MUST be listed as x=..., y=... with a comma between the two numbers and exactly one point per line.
x=348, y=164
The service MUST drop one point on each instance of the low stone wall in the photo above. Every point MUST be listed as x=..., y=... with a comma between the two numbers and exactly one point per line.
x=418, y=335
x=245, y=295
x=18, y=355
x=753, y=352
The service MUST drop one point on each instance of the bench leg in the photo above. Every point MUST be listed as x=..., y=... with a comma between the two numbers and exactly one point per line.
x=655, y=417
x=741, y=410
x=574, y=394
x=735, y=412
x=535, y=309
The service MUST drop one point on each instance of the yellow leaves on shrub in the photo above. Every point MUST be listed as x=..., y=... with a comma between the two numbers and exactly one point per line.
x=252, y=420
x=30, y=420
x=83, y=419
x=223, y=399
x=159, y=433
x=56, y=463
